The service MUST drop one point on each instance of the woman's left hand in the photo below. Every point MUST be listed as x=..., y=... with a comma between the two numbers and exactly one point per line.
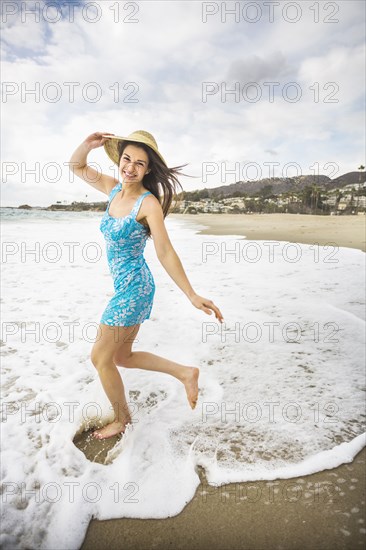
x=206, y=305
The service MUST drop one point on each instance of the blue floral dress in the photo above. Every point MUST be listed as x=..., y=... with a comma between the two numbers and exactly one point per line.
x=133, y=281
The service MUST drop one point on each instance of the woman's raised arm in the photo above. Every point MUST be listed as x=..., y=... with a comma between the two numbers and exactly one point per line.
x=78, y=164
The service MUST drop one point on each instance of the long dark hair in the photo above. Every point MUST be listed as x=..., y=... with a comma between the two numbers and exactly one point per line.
x=159, y=175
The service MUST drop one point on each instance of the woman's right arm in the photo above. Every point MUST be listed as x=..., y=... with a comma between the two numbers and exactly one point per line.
x=78, y=164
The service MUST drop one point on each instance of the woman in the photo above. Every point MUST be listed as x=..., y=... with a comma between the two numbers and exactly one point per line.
x=135, y=212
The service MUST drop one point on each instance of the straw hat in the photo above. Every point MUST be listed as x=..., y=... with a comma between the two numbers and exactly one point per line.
x=140, y=136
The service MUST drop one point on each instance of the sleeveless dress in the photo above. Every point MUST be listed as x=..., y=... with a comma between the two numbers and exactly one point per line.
x=132, y=279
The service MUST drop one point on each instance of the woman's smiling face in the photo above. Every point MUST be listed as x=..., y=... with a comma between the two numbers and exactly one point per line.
x=134, y=164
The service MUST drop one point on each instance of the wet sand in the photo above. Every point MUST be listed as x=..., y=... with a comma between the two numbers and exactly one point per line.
x=347, y=231
x=323, y=510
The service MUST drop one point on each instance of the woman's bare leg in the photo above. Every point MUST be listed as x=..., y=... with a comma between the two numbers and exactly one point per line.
x=113, y=386
x=108, y=341
x=112, y=348
x=148, y=361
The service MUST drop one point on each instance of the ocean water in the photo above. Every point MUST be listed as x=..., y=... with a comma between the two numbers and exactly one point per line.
x=281, y=386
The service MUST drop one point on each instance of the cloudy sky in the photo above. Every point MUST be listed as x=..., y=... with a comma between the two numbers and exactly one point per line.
x=273, y=88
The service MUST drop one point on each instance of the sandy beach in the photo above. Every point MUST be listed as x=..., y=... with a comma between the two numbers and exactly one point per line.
x=347, y=231
x=322, y=510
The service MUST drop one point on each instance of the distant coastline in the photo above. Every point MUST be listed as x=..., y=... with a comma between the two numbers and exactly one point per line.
x=101, y=207
x=73, y=207
x=308, y=194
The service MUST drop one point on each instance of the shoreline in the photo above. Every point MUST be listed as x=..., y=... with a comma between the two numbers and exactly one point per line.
x=340, y=231
x=322, y=510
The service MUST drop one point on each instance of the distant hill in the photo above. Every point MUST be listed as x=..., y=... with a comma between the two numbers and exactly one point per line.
x=79, y=206
x=347, y=179
x=283, y=185
x=274, y=186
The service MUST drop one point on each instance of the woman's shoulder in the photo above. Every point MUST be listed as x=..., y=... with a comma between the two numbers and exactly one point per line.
x=151, y=201
x=150, y=205
x=111, y=185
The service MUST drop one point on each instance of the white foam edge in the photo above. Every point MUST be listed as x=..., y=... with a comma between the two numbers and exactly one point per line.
x=325, y=460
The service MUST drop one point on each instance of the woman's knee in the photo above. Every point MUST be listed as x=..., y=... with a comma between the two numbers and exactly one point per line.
x=119, y=357
x=114, y=346
x=100, y=359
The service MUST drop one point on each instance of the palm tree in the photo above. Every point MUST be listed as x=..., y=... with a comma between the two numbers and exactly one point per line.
x=361, y=168
x=338, y=198
x=285, y=197
x=315, y=192
x=306, y=198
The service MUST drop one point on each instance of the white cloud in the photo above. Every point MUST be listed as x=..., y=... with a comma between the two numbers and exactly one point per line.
x=254, y=68
x=169, y=53
x=344, y=66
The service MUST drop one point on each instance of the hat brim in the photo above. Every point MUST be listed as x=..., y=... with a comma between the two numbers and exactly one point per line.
x=111, y=147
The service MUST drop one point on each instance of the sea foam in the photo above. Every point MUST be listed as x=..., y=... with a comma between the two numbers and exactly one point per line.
x=281, y=381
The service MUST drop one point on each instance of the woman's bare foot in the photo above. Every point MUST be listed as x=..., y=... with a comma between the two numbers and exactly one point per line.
x=114, y=428
x=190, y=382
